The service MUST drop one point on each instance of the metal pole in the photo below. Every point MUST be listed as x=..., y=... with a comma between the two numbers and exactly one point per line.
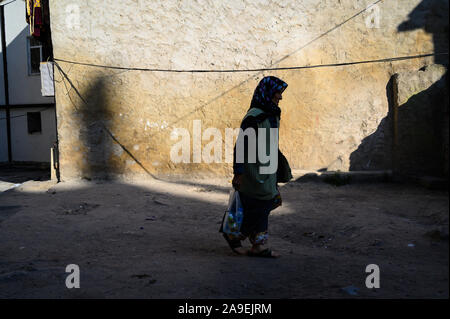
x=5, y=81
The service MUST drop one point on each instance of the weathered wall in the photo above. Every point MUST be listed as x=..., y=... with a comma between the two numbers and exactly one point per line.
x=327, y=112
x=421, y=122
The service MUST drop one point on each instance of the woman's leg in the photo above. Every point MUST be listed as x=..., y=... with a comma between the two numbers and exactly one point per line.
x=259, y=240
x=255, y=222
x=235, y=244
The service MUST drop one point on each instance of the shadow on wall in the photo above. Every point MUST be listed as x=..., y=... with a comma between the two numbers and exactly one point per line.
x=413, y=138
x=102, y=155
x=375, y=150
x=431, y=16
x=419, y=142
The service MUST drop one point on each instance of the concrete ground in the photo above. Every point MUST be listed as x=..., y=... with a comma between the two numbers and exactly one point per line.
x=160, y=239
x=14, y=175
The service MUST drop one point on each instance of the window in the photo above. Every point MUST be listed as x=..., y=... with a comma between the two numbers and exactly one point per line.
x=34, y=122
x=34, y=55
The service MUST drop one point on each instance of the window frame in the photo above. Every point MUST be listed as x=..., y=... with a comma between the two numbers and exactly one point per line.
x=29, y=47
x=38, y=127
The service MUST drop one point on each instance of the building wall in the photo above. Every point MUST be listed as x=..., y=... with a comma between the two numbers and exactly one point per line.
x=23, y=89
x=327, y=113
x=27, y=147
x=3, y=141
x=421, y=120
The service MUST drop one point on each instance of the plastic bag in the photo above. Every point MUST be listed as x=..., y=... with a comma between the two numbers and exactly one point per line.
x=232, y=220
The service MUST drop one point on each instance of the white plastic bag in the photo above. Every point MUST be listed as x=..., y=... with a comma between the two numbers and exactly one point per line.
x=233, y=216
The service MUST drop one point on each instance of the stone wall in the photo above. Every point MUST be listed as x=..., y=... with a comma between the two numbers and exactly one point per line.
x=421, y=122
x=330, y=115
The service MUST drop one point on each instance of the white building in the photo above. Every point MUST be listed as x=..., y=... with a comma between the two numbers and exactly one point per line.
x=32, y=116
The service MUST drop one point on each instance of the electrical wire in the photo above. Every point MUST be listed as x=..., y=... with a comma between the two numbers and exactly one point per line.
x=249, y=70
x=21, y=115
x=384, y=60
x=65, y=77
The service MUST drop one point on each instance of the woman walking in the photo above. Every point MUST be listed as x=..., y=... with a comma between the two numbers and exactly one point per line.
x=258, y=191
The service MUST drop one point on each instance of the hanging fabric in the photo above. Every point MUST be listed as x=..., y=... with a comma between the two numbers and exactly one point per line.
x=37, y=15
x=29, y=15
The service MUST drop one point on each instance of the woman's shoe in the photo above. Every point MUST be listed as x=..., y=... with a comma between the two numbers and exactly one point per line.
x=266, y=253
x=234, y=244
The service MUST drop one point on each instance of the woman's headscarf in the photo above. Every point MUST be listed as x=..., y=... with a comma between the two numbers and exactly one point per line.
x=264, y=93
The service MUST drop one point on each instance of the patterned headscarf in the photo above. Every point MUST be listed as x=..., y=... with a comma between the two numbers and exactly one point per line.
x=264, y=93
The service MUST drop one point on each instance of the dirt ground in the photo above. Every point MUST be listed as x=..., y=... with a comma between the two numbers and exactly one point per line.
x=159, y=239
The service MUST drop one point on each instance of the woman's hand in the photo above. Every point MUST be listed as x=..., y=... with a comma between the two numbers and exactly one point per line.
x=277, y=201
x=237, y=181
